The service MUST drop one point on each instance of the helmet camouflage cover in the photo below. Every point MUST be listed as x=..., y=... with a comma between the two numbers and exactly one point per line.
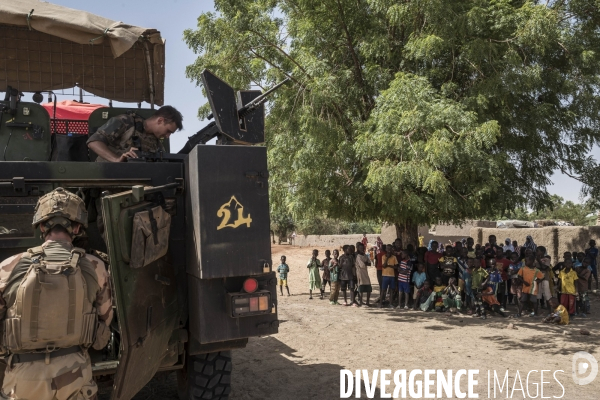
x=60, y=207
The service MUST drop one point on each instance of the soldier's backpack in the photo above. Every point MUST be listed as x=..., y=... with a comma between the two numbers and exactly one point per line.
x=52, y=308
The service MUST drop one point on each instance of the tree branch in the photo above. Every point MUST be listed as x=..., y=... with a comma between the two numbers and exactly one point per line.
x=357, y=69
x=342, y=119
x=276, y=67
x=564, y=171
x=281, y=51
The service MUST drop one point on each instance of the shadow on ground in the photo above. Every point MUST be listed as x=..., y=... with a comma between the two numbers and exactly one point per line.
x=254, y=369
x=270, y=369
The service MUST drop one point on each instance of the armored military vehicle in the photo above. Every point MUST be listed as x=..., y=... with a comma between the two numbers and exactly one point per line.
x=185, y=307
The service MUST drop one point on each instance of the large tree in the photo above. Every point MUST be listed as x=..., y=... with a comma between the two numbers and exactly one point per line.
x=413, y=112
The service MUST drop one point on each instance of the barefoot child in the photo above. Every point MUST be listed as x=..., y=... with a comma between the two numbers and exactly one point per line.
x=516, y=282
x=404, y=270
x=546, y=289
x=418, y=279
x=347, y=275
x=314, y=277
x=325, y=278
x=568, y=291
x=424, y=297
x=488, y=296
x=478, y=278
x=530, y=276
x=362, y=274
x=389, y=265
x=283, y=270
x=495, y=276
x=334, y=275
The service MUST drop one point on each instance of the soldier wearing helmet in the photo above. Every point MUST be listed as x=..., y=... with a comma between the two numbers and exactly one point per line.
x=46, y=360
x=61, y=210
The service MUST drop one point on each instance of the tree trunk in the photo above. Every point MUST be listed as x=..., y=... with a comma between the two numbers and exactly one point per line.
x=409, y=233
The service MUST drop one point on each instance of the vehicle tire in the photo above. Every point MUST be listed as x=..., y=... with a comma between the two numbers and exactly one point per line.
x=206, y=376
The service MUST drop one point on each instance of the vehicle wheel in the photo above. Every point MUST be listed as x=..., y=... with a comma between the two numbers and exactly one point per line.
x=206, y=376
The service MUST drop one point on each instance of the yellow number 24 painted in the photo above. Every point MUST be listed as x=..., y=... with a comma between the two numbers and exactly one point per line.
x=224, y=212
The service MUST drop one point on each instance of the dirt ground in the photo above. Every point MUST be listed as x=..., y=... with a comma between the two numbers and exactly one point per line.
x=316, y=340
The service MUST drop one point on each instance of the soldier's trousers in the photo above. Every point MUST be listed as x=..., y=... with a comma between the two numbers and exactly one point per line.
x=65, y=378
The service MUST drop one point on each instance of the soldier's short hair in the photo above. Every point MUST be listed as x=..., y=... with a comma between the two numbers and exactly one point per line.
x=171, y=114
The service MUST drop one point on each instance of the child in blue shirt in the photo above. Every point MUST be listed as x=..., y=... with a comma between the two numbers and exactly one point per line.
x=578, y=259
x=495, y=276
x=419, y=279
x=283, y=270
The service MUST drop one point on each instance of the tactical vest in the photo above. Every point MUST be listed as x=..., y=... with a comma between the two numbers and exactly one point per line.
x=52, y=309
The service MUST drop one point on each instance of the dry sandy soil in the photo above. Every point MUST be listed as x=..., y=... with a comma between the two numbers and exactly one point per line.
x=316, y=340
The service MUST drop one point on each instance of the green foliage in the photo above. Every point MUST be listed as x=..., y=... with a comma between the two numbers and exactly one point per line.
x=430, y=152
x=580, y=214
x=413, y=112
x=282, y=224
x=328, y=226
x=567, y=211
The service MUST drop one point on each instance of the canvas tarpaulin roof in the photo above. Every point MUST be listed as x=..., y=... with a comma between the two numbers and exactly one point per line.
x=49, y=47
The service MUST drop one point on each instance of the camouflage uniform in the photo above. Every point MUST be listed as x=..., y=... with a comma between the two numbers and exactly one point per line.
x=120, y=134
x=66, y=377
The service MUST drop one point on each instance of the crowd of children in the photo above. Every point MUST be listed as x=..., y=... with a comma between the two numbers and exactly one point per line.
x=459, y=277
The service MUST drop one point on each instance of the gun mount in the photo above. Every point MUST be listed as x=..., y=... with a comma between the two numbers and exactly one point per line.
x=238, y=118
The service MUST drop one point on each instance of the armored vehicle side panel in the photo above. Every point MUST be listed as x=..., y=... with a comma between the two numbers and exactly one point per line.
x=228, y=210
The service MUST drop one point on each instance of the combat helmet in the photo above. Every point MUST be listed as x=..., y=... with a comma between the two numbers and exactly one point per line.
x=60, y=207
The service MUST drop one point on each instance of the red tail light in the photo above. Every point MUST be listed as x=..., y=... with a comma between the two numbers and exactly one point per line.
x=250, y=285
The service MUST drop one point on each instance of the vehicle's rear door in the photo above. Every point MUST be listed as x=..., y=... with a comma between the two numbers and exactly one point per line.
x=146, y=297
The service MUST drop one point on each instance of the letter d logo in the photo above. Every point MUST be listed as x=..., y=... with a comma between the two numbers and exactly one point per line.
x=584, y=364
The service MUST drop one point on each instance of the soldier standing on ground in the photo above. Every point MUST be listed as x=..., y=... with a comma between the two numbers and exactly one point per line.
x=47, y=357
x=117, y=140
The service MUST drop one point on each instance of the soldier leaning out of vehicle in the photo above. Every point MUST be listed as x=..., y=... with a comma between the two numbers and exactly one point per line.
x=121, y=136
x=55, y=303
